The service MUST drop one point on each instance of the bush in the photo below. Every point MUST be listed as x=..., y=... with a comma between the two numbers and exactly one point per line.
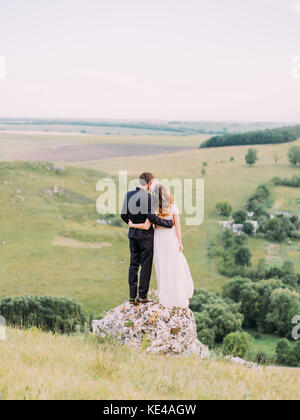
x=237, y=344
x=288, y=354
x=212, y=312
x=282, y=349
x=224, y=208
x=49, y=313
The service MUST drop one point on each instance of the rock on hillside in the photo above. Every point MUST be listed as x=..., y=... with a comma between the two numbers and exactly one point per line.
x=154, y=327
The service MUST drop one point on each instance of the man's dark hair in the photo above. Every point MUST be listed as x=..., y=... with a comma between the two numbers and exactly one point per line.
x=146, y=177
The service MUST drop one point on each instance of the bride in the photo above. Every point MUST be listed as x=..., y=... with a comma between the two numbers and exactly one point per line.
x=175, y=284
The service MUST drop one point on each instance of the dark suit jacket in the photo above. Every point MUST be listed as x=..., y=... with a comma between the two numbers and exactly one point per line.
x=138, y=208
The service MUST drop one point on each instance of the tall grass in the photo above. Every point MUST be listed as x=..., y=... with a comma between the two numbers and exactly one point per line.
x=36, y=365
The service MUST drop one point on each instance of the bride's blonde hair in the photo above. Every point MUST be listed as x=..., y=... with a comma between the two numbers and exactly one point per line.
x=163, y=200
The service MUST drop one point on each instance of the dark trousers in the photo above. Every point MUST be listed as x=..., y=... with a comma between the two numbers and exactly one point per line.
x=141, y=255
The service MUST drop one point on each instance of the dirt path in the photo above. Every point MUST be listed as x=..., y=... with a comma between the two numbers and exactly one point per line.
x=73, y=243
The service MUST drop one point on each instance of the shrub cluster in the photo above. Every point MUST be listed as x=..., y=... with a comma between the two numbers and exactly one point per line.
x=294, y=181
x=47, y=312
x=268, y=305
x=279, y=228
x=224, y=208
x=215, y=317
x=237, y=344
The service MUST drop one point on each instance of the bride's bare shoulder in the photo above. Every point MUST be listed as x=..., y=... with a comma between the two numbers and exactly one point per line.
x=175, y=209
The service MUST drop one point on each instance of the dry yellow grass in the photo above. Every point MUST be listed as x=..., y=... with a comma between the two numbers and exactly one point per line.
x=36, y=365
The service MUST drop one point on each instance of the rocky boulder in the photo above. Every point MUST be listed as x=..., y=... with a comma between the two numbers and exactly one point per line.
x=156, y=329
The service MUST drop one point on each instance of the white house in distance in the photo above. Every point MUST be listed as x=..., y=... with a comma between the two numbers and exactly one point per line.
x=237, y=228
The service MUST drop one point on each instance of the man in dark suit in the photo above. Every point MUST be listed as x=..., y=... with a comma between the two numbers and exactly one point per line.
x=138, y=207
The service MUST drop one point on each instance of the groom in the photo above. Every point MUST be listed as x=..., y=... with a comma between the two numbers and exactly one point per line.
x=138, y=207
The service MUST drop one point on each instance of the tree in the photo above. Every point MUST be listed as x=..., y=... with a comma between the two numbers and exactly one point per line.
x=294, y=155
x=243, y=256
x=251, y=157
x=239, y=216
x=224, y=208
x=284, y=305
x=248, y=229
x=275, y=230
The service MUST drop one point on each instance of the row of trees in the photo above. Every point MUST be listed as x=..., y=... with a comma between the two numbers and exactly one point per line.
x=294, y=181
x=277, y=135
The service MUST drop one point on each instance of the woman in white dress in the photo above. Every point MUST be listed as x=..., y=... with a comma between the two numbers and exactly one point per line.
x=175, y=283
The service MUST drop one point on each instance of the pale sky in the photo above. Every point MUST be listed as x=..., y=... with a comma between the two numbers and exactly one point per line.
x=150, y=59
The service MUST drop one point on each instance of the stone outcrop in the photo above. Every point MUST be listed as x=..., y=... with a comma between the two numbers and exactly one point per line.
x=152, y=327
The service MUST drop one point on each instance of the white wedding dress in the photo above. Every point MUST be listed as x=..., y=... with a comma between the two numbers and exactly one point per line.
x=175, y=283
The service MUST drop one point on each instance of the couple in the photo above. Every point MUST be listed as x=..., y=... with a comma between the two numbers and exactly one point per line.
x=141, y=210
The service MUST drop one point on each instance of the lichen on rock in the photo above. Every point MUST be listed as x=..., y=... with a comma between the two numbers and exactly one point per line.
x=168, y=331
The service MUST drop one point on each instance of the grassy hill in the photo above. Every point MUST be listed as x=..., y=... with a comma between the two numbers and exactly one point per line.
x=42, y=366
x=37, y=256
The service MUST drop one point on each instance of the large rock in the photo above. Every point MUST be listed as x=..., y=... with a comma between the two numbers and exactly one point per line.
x=157, y=329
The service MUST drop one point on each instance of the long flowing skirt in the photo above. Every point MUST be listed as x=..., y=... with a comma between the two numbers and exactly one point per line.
x=175, y=283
